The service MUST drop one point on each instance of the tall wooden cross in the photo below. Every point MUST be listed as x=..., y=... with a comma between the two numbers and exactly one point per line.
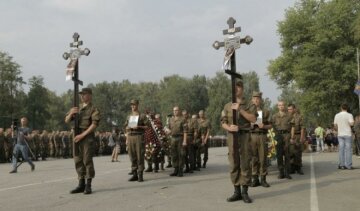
x=73, y=72
x=231, y=43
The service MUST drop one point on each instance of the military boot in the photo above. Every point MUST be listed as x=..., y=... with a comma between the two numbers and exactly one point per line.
x=134, y=177
x=263, y=182
x=140, y=177
x=88, y=187
x=245, y=195
x=300, y=171
x=80, y=188
x=292, y=169
x=149, y=168
x=198, y=166
x=204, y=165
x=181, y=173
x=162, y=166
x=187, y=169
x=175, y=173
x=287, y=175
x=169, y=164
x=281, y=174
x=156, y=169
x=255, y=181
x=236, y=196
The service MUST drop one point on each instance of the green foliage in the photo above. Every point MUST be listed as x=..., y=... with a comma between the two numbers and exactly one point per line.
x=11, y=92
x=319, y=40
x=37, y=103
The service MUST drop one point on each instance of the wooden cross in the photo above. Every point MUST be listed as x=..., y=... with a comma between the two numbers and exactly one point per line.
x=231, y=43
x=74, y=55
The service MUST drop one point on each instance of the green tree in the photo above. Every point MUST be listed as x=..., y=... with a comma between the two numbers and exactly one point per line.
x=318, y=42
x=219, y=89
x=11, y=91
x=37, y=103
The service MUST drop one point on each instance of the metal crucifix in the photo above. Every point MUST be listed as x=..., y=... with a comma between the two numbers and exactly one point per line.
x=72, y=72
x=231, y=43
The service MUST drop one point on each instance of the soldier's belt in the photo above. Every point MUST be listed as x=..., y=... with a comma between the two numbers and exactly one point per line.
x=243, y=131
x=178, y=135
x=135, y=134
x=282, y=131
x=258, y=132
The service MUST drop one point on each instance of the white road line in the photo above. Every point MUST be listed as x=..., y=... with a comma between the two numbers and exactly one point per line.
x=314, y=204
x=56, y=180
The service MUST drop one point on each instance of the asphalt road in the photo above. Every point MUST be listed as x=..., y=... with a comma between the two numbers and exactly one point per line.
x=323, y=187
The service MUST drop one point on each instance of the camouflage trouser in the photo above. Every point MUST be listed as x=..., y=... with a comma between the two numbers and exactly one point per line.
x=84, y=152
x=283, y=151
x=177, y=152
x=197, y=153
x=296, y=151
x=136, y=151
x=259, y=154
x=189, y=153
x=240, y=170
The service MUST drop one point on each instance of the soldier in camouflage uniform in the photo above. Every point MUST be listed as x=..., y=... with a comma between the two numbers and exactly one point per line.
x=135, y=125
x=2, y=145
x=204, y=132
x=240, y=170
x=192, y=130
x=281, y=123
x=178, y=132
x=89, y=118
x=259, y=142
x=297, y=138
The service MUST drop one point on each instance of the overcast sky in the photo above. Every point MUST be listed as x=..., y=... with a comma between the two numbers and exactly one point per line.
x=139, y=40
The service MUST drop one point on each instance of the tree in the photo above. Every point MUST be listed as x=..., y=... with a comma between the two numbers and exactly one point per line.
x=219, y=89
x=37, y=103
x=11, y=92
x=318, y=44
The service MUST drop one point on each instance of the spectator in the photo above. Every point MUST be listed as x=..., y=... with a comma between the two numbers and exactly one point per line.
x=319, y=132
x=342, y=123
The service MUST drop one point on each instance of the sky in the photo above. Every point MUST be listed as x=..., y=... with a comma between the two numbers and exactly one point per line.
x=138, y=40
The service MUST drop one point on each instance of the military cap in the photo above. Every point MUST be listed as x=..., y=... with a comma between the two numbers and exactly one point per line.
x=256, y=94
x=133, y=101
x=86, y=91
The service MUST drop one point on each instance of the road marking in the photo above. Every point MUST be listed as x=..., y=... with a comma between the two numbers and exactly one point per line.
x=314, y=204
x=56, y=180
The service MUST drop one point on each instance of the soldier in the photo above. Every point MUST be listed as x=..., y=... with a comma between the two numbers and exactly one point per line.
x=297, y=138
x=2, y=145
x=36, y=144
x=259, y=142
x=44, y=145
x=52, y=144
x=240, y=170
x=192, y=130
x=204, y=132
x=281, y=123
x=135, y=125
x=89, y=118
x=65, y=144
x=178, y=132
x=9, y=145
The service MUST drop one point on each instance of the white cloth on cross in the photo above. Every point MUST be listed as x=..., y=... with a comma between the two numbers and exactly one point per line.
x=227, y=59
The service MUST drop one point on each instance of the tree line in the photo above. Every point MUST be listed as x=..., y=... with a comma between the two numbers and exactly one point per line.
x=45, y=109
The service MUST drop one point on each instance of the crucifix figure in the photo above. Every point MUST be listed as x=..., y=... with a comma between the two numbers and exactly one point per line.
x=72, y=72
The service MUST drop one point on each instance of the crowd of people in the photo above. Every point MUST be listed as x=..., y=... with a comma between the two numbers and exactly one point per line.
x=58, y=144
x=184, y=138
